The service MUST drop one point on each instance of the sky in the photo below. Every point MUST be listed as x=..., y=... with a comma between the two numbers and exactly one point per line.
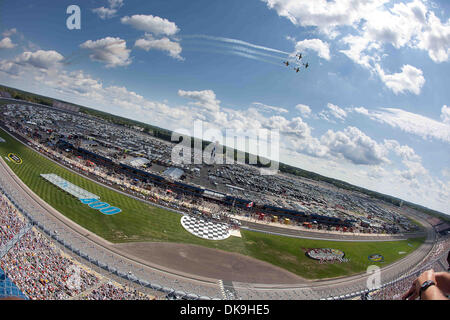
x=372, y=108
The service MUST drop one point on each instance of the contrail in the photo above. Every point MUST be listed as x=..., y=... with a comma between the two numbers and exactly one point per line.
x=249, y=56
x=250, y=51
x=227, y=46
x=234, y=41
x=231, y=51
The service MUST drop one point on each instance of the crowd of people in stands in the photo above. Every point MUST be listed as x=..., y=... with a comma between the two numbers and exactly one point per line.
x=10, y=222
x=43, y=271
x=398, y=288
x=110, y=291
x=442, y=246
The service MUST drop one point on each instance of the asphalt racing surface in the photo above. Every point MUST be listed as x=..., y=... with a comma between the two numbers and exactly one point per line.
x=325, y=236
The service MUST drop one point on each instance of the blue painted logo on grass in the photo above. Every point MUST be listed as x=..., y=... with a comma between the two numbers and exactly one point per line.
x=376, y=258
x=103, y=207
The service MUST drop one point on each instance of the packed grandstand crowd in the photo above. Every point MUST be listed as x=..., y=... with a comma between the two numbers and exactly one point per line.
x=42, y=271
x=111, y=292
x=436, y=260
x=10, y=222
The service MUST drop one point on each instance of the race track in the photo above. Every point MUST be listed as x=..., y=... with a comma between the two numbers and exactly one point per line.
x=170, y=270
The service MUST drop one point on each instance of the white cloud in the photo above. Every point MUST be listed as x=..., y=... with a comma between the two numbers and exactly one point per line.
x=322, y=48
x=414, y=170
x=361, y=110
x=114, y=99
x=323, y=14
x=265, y=108
x=205, y=99
x=410, y=79
x=333, y=112
x=115, y=3
x=105, y=13
x=377, y=172
x=446, y=173
x=10, y=67
x=305, y=110
x=403, y=151
x=151, y=24
x=6, y=43
x=240, y=121
x=409, y=122
x=445, y=114
x=396, y=26
x=40, y=59
x=111, y=51
x=108, y=13
x=413, y=25
x=295, y=127
x=9, y=32
x=356, y=51
x=311, y=146
x=367, y=54
x=435, y=38
x=355, y=146
x=165, y=44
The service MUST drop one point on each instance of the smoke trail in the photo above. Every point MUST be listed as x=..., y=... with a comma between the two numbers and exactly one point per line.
x=249, y=56
x=234, y=41
x=229, y=51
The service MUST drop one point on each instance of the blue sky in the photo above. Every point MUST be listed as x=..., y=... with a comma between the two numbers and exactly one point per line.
x=372, y=108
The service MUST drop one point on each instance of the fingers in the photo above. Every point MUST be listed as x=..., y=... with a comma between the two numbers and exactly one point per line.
x=410, y=292
x=413, y=292
x=413, y=296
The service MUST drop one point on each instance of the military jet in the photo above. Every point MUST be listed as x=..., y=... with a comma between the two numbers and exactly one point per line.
x=299, y=56
x=286, y=63
x=297, y=69
x=306, y=65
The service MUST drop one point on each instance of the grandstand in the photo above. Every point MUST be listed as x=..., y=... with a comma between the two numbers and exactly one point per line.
x=65, y=106
x=34, y=267
x=436, y=260
x=5, y=94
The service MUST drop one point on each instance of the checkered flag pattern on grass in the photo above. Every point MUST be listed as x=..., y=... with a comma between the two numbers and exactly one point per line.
x=205, y=229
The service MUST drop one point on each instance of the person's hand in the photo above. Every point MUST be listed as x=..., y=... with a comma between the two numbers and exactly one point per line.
x=414, y=291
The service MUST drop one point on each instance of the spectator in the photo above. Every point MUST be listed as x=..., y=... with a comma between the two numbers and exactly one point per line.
x=41, y=271
x=429, y=286
x=448, y=262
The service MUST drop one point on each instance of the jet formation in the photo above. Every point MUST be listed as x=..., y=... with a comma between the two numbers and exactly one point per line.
x=297, y=69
